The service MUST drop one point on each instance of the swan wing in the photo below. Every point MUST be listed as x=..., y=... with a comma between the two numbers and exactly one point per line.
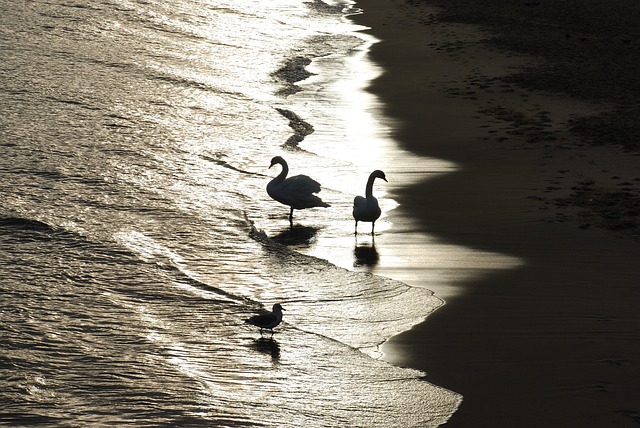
x=297, y=192
x=301, y=185
x=366, y=209
x=359, y=206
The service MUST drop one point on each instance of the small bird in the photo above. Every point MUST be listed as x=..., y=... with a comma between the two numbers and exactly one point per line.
x=267, y=320
x=367, y=208
x=296, y=192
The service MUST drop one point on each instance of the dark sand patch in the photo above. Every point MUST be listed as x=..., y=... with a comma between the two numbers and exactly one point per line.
x=552, y=342
x=589, y=49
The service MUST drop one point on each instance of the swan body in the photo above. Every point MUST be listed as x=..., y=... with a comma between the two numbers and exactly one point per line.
x=298, y=192
x=267, y=320
x=367, y=208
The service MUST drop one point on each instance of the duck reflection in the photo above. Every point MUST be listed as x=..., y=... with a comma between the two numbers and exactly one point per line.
x=296, y=235
x=365, y=254
x=267, y=346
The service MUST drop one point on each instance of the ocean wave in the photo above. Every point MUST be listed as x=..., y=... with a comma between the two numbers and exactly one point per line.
x=128, y=264
x=358, y=309
x=26, y=224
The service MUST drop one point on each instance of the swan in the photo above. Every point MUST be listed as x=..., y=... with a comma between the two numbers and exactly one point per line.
x=297, y=191
x=367, y=208
x=267, y=320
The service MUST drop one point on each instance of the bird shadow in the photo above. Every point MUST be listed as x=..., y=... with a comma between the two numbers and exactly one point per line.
x=365, y=254
x=268, y=346
x=296, y=235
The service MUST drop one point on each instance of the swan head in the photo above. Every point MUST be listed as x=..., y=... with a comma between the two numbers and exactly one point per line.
x=379, y=174
x=276, y=160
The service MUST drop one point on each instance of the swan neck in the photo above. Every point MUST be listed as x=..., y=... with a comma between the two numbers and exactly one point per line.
x=369, y=188
x=284, y=172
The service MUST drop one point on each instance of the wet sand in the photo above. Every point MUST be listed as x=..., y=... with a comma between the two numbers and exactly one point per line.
x=554, y=341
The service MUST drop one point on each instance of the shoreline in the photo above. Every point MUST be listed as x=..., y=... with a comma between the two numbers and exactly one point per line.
x=551, y=342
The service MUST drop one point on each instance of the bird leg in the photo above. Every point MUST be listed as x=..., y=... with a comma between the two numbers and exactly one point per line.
x=356, y=232
x=291, y=217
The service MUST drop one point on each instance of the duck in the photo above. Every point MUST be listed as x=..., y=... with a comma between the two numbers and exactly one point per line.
x=366, y=208
x=298, y=192
x=267, y=320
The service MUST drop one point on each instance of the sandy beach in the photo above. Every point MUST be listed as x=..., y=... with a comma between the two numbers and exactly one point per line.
x=553, y=342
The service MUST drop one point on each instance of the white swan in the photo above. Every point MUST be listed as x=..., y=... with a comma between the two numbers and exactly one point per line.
x=296, y=192
x=267, y=320
x=367, y=209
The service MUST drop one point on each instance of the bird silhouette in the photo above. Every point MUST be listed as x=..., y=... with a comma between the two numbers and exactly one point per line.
x=267, y=320
x=367, y=208
x=298, y=192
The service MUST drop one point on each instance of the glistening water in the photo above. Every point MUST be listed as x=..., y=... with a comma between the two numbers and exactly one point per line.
x=136, y=234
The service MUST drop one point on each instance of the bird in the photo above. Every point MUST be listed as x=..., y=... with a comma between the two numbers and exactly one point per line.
x=296, y=192
x=367, y=208
x=267, y=320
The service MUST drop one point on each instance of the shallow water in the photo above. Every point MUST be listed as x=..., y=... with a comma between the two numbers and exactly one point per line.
x=136, y=234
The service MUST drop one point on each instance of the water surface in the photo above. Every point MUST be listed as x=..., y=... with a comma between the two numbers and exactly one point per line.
x=136, y=234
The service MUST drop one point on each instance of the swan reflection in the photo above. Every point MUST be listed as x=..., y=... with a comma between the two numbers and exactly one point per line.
x=365, y=254
x=296, y=235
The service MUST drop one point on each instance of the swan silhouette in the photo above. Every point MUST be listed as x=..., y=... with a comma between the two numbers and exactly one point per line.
x=367, y=208
x=296, y=192
x=267, y=320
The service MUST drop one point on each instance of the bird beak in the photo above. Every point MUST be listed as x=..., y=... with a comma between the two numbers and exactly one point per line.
x=384, y=179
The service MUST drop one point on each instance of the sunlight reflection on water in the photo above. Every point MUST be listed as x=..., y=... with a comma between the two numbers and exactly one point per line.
x=349, y=121
x=140, y=234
